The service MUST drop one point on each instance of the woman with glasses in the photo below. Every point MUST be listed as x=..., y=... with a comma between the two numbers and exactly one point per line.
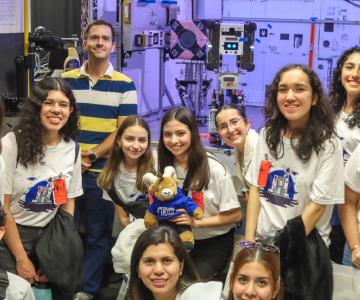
x=256, y=273
x=297, y=171
x=235, y=130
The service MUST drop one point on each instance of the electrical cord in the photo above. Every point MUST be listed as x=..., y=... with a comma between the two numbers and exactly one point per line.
x=352, y=2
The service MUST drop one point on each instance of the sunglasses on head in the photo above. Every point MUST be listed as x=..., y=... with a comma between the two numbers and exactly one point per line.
x=258, y=245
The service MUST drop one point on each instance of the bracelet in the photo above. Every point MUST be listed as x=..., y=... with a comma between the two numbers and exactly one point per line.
x=356, y=246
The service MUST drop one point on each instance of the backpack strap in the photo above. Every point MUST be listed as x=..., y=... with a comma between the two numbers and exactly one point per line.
x=77, y=150
x=116, y=199
x=186, y=185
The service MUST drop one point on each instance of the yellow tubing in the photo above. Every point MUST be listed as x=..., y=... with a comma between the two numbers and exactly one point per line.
x=26, y=27
x=26, y=41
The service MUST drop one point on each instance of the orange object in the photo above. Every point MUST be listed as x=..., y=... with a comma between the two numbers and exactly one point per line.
x=59, y=191
x=312, y=43
x=264, y=171
x=198, y=198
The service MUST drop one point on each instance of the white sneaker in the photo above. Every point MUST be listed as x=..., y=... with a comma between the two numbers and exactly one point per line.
x=83, y=296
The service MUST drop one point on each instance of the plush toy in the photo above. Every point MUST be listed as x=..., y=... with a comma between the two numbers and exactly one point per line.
x=167, y=199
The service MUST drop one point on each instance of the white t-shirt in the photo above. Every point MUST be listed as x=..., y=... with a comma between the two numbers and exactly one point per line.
x=2, y=179
x=352, y=174
x=125, y=184
x=31, y=188
x=350, y=137
x=292, y=184
x=249, y=149
x=210, y=290
x=18, y=289
x=219, y=197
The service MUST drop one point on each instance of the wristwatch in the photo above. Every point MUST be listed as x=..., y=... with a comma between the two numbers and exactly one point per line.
x=92, y=156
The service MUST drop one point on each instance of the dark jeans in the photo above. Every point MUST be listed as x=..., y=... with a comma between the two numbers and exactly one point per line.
x=211, y=256
x=29, y=237
x=97, y=214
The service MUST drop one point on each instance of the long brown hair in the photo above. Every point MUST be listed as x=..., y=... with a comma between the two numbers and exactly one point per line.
x=145, y=164
x=270, y=261
x=198, y=167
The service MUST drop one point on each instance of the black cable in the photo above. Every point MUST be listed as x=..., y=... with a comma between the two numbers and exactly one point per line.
x=352, y=3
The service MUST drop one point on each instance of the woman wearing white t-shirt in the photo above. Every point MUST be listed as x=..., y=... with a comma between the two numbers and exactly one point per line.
x=131, y=157
x=235, y=130
x=349, y=212
x=345, y=100
x=40, y=157
x=296, y=175
x=210, y=185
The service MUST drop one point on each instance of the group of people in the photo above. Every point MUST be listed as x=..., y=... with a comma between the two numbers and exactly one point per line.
x=291, y=175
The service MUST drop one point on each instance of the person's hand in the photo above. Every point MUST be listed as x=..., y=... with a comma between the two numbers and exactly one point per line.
x=184, y=219
x=25, y=268
x=85, y=161
x=355, y=257
x=246, y=197
x=41, y=277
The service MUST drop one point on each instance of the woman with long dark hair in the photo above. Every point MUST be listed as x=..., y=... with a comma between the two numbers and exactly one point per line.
x=209, y=183
x=161, y=269
x=43, y=173
x=296, y=174
x=345, y=100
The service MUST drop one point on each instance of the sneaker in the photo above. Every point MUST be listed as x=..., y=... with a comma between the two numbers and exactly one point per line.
x=83, y=296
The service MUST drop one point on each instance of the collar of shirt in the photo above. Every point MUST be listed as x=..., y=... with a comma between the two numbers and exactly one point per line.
x=108, y=73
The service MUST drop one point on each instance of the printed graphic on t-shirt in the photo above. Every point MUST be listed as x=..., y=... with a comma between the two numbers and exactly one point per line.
x=280, y=188
x=39, y=197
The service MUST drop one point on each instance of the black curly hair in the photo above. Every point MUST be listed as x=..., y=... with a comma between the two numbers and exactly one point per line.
x=319, y=128
x=29, y=131
x=337, y=93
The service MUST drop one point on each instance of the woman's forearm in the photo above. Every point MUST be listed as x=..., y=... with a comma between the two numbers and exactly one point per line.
x=252, y=213
x=312, y=215
x=224, y=218
x=348, y=217
x=11, y=237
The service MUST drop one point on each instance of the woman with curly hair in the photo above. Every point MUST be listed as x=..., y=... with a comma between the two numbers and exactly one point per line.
x=296, y=174
x=345, y=100
x=41, y=158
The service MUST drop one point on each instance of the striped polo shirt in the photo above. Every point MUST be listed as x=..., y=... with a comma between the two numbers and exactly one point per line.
x=100, y=105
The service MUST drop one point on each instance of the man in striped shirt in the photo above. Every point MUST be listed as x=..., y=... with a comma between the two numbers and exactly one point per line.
x=105, y=97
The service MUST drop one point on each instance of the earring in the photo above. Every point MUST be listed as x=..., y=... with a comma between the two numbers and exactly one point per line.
x=139, y=275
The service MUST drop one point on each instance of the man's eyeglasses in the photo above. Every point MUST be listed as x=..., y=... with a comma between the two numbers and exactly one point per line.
x=223, y=127
x=251, y=244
